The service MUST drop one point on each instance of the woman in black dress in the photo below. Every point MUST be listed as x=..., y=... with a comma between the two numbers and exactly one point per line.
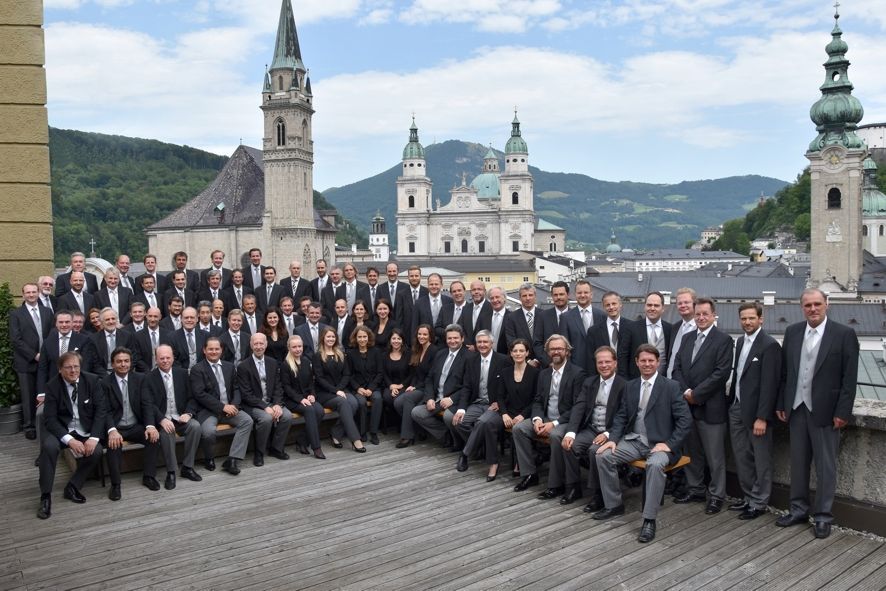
x=382, y=324
x=423, y=351
x=297, y=378
x=364, y=363
x=518, y=392
x=275, y=330
x=333, y=378
x=396, y=371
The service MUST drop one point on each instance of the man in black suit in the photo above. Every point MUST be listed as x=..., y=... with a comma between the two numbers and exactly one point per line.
x=78, y=264
x=397, y=293
x=334, y=291
x=589, y=425
x=651, y=424
x=97, y=353
x=252, y=317
x=218, y=261
x=149, y=295
x=559, y=386
x=702, y=368
x=75, y=296
x=754, y=392
x=121, y=265
x=114, y=296
x=685, y=304
x=288, y=316
x=174, y=410
x=450, y=313
x=129, y=417
x=605, y=334
x=204, y=320
x=180, y=288
x=234, y=340
x=188, y=342
x=429, y=305
x=233, y=295
x=416, y=291
x=160, y=283
x=650, y=329
x=343, y=324
x=372, y=287
x=254, y=274
x=310, y=330
x=29, y=325
x=46, y=293
x=354, y=289
x=580, y=320
x=260, y=390
x=319, y=282
x=192, y=278
x=294, y=286
x=217, y=318
x=269, y=294
x=218, y=401
x=74, y=417
x=147, y=340
x=136, y=324
x=552, y=322
x=818, y=382
x=173, y=317
x=443, y=383
x=497, y=321
x=213, y=289
x=521, y=323
x=477, y=314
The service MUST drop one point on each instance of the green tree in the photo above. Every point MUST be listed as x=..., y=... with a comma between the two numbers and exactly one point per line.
x=734, y=238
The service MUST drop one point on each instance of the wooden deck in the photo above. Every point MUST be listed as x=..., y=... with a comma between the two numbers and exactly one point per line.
x=391, y=519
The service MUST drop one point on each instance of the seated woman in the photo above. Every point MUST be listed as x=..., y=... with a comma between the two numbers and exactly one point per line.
x=382, y=324
x=297, y=377
x=364, y=365
x=273, y=328
x=518, y=391
x=423, y=351
x=396, y=371
x=332, y=379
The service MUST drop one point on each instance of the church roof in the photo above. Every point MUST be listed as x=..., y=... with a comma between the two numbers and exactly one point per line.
x=487, y=185
x=545, y=225
x=287, y=53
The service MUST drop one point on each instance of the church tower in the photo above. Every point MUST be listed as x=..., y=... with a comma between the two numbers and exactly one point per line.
x=413, y=198
x=516, y=181
x=835, y=157
x=378, y=239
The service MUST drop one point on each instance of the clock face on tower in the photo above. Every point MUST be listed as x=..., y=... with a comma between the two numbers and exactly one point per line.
x=833, y=159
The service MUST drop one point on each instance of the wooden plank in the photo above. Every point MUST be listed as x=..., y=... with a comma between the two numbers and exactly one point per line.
x=861, y=572
x=819, y=573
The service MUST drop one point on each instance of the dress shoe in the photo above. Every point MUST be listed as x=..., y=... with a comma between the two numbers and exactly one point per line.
x=791, y=519
x=551, y=493
x=359, y=450
x=647, y=532
x=150, y=483
x=190, y=474
x=302, y=449
x=258, y=459
x=462, y=464
x=526, y=482
x=231, y=466
x=373, y=438
x=280, y=455
x=209, y=464
x=690, y=498
x=822, y=529
x=572, y=495
x=714, y=506
x=595, y=505
x=404, y=443
x=169, y=484
x=318, y=453
x=739, y=506
x=72, y=494
x=336, y=443
x=606, y=513
x=30, y=434
x=114, y=492
x=751, y=513
x=45, y=509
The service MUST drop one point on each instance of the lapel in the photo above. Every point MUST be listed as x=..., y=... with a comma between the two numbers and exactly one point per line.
x=703, y=348
x=613, y=395
x=827, y=340
x=66, y=399
x=656, y=393
x=755, y=348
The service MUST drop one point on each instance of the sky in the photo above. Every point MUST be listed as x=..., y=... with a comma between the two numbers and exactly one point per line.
x=649, y=91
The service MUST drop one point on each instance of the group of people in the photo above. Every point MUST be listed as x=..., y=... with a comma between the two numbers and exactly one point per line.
x=176, y=355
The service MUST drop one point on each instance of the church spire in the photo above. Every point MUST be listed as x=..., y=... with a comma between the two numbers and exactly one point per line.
x=516, y=144
x=287, y=53
x=414, y=148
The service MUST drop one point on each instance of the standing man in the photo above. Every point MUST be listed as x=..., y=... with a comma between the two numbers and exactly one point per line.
x=46, y=285
x=149, y=296
x=819, y=378
x=218, y=260
x=29, y=325
x=650, y=329
x=192, y=278
x=252, y=318
x=334, y=291
x=294, y=286
x=702, y=368
x=354, y=289
x=78, y=265
x=372, y=283
x=427, y=309
x=450, y=314
x=521, y=323
x=581, y=320
x=395, y=292
x=310, y=330
x=319, y=282
x=235, y=342
x=179, y=280
x=477, y=314
x=147, y=340
x=233, y=295
x=606, y=334
x=254, y=274
x=213, y=289
x=188, y=342
x=122, y=264
x=160, y=285
x=114, y=296
x=685, y=303
x=754, y=392
x=97, y=353
x=551, y=321
x=269, y=294
x=76, y=297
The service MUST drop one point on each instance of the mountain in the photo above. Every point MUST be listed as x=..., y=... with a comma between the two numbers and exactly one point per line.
x=109, y=188
x=643, y=215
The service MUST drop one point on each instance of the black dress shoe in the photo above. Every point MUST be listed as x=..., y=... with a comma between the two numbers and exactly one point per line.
x=335, y=442
x=359, y=450
x=791, y=519
x=169, y=484
x=258, y=459
x=690, y=498
x=231, y=466
x=30, y=434
x=739, y=506
x=404, y=443
x=595, y=505
x=373, y=438
x=150, y=483
x=209, y=464
x=647, y=532
x=190, y=474
x=714, y=506
x=114, y=493
x=318, y=453
x=551, y=493
x=822, y=529
x=572, y=495
x=45, y=509
x=526, y=482
x=280, y=455
x=72, y=494
x=462, y=464
x=606, y=513
x=751, y=513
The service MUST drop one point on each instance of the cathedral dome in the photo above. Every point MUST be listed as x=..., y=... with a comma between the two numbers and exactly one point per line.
x=414, y=148
x=486, y=185
x=516, y=144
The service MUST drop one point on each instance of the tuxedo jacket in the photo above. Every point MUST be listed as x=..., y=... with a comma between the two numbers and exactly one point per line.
x=632, y=334
x=582, y=414
x=124, y=298
x=361, y=292
x=667, y=418
x=760, y=378
x=304, y=331
x=96, y=354
x=470, y=389
x=180, y=347
x=454, y=379
x=598, y=336
x=484, y=320
x=707, y=374
x=58, y=410
x=836, y=372
x=25, y=338
x=168, y=324
x=297, y=386
x=67, y=301
x=229, y=297
x=515, y=327
x=205, y=295
x=192, y=280
x=142, y=297
x=263, y=302
x=315, y=287
x=328, y=297
x=227, y=341
x=259, y=318
x=156, y=392
x=226, y=277
x=571, y=381
x=422, y=313
x=49, y=354
x=247, y=275
x=579, y=338
x=248, y=383
x=190, y=297
x=160, y=282
x=205, y=390
x=63, y=283
x=302, y=289
x=140, y=401
x=447, y=314
x=547, y=324
x=145, y=347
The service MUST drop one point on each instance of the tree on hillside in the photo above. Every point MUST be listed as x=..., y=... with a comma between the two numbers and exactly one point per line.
x=734, y=238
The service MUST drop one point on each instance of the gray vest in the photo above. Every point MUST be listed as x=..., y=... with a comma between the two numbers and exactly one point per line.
x=804, y=376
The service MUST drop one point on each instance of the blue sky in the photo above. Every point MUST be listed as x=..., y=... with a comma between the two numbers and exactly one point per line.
x=642, y=91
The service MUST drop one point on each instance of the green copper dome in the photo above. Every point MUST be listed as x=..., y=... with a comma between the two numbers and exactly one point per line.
x=486, y=185
x=869, y=164
x=413, y=149
x=516, y=144
x=613, y=246
x=873, y=201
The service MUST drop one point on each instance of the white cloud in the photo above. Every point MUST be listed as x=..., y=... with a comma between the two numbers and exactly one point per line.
x=499, y=16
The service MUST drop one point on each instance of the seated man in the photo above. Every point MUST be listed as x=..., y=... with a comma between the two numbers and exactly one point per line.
x=218, y=401
x=260, y=389
x=651, y=424
x=74, y=417
x=130, y=411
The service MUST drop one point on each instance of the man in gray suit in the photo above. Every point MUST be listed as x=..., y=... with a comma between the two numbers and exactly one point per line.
x=819, y=375
x=651, y=423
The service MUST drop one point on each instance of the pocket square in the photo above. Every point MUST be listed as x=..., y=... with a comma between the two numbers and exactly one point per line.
x=755, y=359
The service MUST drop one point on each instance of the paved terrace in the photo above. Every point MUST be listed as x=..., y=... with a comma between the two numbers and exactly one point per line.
x=391, y=519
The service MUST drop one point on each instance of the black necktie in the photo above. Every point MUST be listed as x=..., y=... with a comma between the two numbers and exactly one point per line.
x=74, y=393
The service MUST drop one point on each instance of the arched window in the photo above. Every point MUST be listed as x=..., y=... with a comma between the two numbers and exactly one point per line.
x=305, y=177
x=834, y=198
x=881, y=229
x=306, y=255
x=464, y=246
x=304, y=132
x=515, y=198
x=280, y=127
x=280, y=82
x=411, y=201
x=864, y=230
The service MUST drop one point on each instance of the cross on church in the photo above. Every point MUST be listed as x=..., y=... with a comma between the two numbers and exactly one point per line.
x=837, y=9
x=92, y=246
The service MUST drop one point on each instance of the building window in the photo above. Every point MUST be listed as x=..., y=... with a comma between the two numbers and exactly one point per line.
x=281, y=132
x=834, y=198
x=280, y=82
x=411, y=201
x=304, y=132
x=515, y=198
x=305, y=179
x=881, y=229
x=464, y=245
x=864, y=230
x=552, y=247
x=515, y=245
x=412, y=247
x=447, y=247
x=481, y=246
x=525, y=279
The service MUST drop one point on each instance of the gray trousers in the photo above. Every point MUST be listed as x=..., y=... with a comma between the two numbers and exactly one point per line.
x=707, y=446
x=429, y=420
x=403, y=404
x=753, y=459
x=481, y=426
x=583, y=447
x=523, y=434
x=811, y=443
x=50, y=449
x=627, y=451
x=264, y=425
x=241, y=421
x=27, y=384
x=191, y=433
